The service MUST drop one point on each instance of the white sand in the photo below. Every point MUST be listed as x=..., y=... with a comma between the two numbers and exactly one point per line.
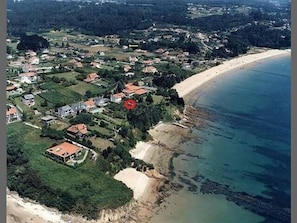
x=140, y=151
x=20, y=210
x=137, y=181
x=185, y=87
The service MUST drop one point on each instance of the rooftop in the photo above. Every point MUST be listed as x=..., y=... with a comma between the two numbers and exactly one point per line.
x=64, y=149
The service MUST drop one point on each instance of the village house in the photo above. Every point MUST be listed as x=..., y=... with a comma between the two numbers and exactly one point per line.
x=64, y=152
x=91, y=77
x=47, y=120
x=117, y=98
x=78, y=107
x=28, y=78
x=95, y=65
x=33, y=60
x=132, y=59
x=150, y=69
x=28, y=99
x=148, y=62
x=30, y=53
x=90, y=104
x=78, y=130
x=131, y=89
x=28, y=68
x=11, y=87
x=78, y=65
x=100, y=101
x=65, y=111
x=127, y=68
x=12, y=114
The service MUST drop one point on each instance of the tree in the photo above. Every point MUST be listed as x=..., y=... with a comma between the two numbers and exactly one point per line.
x=44, y=103
x=149, y=99
x=33, y=42
x=88, y=94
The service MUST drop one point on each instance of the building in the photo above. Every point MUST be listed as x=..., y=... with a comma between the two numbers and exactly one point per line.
x=149, y=69
x=91, y=77
x=77, y=130
x=64, y=152
x=78, y=107
x=65, y=111
x=117, y=98
x=12, y=114
x=100, y=101
x=28, y=99
x=131, y=89
x=28, y=78
x=47, y=120
x=90, y=104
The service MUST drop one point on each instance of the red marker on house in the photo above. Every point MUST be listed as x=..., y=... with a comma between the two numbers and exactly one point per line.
x=130, y=104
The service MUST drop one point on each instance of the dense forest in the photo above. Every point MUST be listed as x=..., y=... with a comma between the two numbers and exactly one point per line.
x=90, y=18
x=110, y=18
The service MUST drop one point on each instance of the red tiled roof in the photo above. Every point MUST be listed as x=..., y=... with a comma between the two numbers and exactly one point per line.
x=140, y=91
x=91, y=77
x=131, y=87
x=119, y=95
x=29, y=74
x=79, y=128
x=10, y=88
x=89, y=103
x=64, y=149
x=11, y=111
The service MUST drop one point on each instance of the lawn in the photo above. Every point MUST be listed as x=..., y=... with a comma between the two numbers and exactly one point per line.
x=56, y=97
x=24, y=107
x=101, y=143
x=60, y=94
x=85, y=180
x=157, y=98
x=81, y=88
x=67, y=75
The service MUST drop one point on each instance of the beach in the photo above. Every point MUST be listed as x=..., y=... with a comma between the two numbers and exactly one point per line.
x=145, y=185
x=187, y=86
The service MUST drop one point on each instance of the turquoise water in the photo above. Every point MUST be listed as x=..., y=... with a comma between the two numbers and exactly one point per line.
x=246, y=145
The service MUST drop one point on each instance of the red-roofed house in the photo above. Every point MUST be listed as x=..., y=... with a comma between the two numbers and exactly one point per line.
x=78, y=130
x=64, y=152
x=29, y=77
x=140, y=91
x=149, y=69
x=131, y=89
x=90, y=104
x=117, y=98
x=91, y=77
x=127, y=68
x=12, y=114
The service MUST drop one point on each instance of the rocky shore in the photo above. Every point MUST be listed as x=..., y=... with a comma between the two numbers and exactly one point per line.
x=257, y=204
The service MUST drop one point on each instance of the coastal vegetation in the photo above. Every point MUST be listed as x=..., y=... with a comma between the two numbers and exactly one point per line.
x=84, y=190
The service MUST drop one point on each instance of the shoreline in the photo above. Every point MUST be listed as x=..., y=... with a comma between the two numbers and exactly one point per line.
x=192, y=83
x=151, y=152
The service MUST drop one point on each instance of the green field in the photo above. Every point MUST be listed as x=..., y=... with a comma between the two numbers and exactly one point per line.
x=67, y=75
x=85, y=180
x=60, y=94
x=81, y=88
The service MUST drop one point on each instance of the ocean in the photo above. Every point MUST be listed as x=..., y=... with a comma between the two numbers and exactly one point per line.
x=244, y=145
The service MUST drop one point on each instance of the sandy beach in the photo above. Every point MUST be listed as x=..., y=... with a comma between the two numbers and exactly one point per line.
x=187, y=86
x=144, y=185
x=21, y=211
